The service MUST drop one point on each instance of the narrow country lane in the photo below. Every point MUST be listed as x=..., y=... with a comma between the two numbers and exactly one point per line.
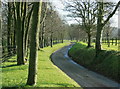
x=81, y=75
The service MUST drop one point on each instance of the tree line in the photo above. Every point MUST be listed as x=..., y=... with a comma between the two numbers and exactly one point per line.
x=94, y=16
x=17, y=24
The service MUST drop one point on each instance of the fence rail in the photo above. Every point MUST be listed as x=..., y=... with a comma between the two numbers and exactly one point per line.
x=7, y=54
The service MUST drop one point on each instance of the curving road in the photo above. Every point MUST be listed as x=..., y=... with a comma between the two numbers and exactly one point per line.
x=81, y=75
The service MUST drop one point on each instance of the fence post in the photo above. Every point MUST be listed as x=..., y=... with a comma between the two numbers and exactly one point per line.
x=112, y=41
x=116, y=42
x=105, y=41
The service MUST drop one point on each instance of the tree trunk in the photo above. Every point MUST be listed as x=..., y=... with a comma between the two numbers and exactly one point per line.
x=23, y=18
x=89, y=40
x=26, y=33
x=61, y=37
x=14, y=24
x=98, y=40
x=99, y=28
x=42, y=35
x=19, y=40
x=112, y=41
x=9, y=28
x=51, y=40
x=19, y=36
x=108, y=42
x=32, y=73
x=14, y=42
x=116, y=41
x=25, y=42
x=1, y=38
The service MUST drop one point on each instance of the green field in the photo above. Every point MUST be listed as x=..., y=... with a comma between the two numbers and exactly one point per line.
x=105, y=46
x=112, y=47
x=48, y=74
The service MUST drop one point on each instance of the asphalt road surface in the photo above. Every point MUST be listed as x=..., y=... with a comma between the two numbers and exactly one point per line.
x=83, y=76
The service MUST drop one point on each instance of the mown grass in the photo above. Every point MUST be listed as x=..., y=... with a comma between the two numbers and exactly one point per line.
x=112, y=47
x=107, y=62
x=105, y=47
x=48, y=75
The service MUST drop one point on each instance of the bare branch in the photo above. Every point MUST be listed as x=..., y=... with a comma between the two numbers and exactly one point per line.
x=111, y=14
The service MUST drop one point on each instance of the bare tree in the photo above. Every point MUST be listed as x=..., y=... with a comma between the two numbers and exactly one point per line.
x=101, y=23
x=86, y=11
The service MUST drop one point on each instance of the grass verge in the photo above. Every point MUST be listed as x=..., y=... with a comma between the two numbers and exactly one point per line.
x=48, y=74
x=107, y=63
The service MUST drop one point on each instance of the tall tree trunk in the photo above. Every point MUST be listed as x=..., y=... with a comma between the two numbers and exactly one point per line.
x=14, y=24
x=42, y=35
x=14, y=42
x=1, y=38
x=32, y=73
x=19, y=35
x=26, y=33
x=23, y=18
x=99, y=28
x=19, y=40
x=9, y=28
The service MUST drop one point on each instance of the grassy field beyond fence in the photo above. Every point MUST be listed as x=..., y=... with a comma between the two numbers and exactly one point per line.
x=109, y=46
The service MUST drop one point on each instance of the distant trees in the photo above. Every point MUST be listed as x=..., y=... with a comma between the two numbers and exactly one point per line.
x=43, y=25
x=107, y=30
x=86, y=12
x=8, y=29
x=74, y=32
x=53, y=30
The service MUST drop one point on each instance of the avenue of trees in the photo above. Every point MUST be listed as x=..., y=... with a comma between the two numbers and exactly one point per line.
x=29, y=26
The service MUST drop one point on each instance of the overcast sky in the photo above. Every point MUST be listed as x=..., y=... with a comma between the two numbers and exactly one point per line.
x=59, y=6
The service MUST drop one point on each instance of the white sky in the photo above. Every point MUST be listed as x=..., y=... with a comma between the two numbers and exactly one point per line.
x=119, y=18
x=59, y=6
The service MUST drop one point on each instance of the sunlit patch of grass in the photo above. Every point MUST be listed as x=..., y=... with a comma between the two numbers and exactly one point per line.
x=48, y=74
x=112, y=47
x=105, y=47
